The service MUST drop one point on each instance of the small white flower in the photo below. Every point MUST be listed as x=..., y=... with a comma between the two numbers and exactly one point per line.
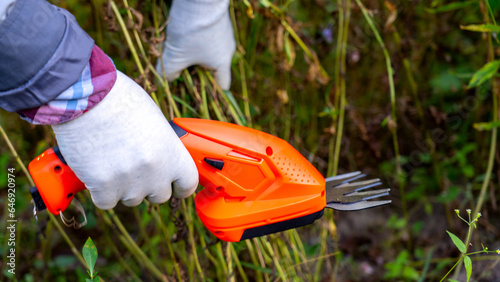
x=498, y=251
x=469, y=211
x=457, y=211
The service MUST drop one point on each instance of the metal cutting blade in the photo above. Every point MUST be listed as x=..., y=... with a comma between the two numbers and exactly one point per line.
x=345, y=195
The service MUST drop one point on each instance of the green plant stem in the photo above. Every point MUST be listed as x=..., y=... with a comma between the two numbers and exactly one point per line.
x=233, y=109
x=322, y=253
x=241, y=66
x=229, y=260
x=142, y=256
x=341, y=65
x=127, y=36
x=173, y=109
x=16, y=156
x=131, y=45
x=281, y=247
x=222, y=261
x=204, y=104
x=494, y=257
x=449, y=271
x=274, y=257
x=253, y=255
x=304, y=47
x=189, y=223
x=159, y=221
x=493, y=143
x=260, y=254
x=243, y=275
x=390, y=76
x=122, y=262
x=244, y=90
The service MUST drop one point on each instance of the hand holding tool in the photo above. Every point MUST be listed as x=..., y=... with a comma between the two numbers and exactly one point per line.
x=254, y=183
x=124, y=150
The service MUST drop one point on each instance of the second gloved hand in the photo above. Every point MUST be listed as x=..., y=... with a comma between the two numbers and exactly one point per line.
x=199, y=32
x=124, y=150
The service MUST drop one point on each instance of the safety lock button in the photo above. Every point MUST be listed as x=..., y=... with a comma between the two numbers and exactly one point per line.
x=218, y=164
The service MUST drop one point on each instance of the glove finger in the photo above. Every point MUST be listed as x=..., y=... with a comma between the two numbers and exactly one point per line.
x=172, y=62
x=133, y=200
x=223, y=75
x=104, y=199
x=187, y=182
x=161, y=195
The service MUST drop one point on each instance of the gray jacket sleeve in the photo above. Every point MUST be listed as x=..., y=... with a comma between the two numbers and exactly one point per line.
x=43, y=51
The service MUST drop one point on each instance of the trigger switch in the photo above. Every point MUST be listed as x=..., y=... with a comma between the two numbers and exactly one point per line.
x=218, y=164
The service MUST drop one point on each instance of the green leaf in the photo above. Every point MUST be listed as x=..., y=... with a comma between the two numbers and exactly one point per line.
x=385, y=121
x=484, y=73
x=481, y=27
x=89, y=252
x=468, y=171
x=451, y=6
x=468, y=266
x=410, y=273
x=480, y=126
x=450, y=195
x=460, y=245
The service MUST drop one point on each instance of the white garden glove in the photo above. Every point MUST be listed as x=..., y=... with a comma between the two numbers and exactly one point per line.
x=199, y=32
x=124, y=149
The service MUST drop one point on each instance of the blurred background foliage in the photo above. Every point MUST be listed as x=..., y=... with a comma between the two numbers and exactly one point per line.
x=314, y=74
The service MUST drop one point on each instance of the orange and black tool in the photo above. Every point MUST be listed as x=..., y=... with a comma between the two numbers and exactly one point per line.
x=254, y=183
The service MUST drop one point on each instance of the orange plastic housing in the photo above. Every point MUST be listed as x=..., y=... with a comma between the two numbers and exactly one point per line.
x=56, y=182
x=263, y=180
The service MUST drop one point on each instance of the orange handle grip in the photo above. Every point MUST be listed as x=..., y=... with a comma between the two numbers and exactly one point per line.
x=57, y=184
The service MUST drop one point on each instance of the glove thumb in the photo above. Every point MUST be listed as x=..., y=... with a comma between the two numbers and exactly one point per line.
x=223, y=76
x=171, y=63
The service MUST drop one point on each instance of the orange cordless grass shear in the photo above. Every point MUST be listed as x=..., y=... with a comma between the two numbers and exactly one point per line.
x=255, y=183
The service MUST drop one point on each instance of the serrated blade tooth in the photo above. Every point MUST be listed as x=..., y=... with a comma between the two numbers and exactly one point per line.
x=342, y=178
x=357, y=206
x=339, y=193
x=365, y=196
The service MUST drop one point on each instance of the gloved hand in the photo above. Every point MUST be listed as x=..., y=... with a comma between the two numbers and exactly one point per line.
x=199, y=32
x=124, y=149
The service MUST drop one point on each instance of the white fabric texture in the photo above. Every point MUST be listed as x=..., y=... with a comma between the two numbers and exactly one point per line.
x=124, y=150
x=5, y=6
x=199, y=32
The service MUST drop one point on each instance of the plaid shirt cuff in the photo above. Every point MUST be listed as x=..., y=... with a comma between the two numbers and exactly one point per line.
x=95, y=82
